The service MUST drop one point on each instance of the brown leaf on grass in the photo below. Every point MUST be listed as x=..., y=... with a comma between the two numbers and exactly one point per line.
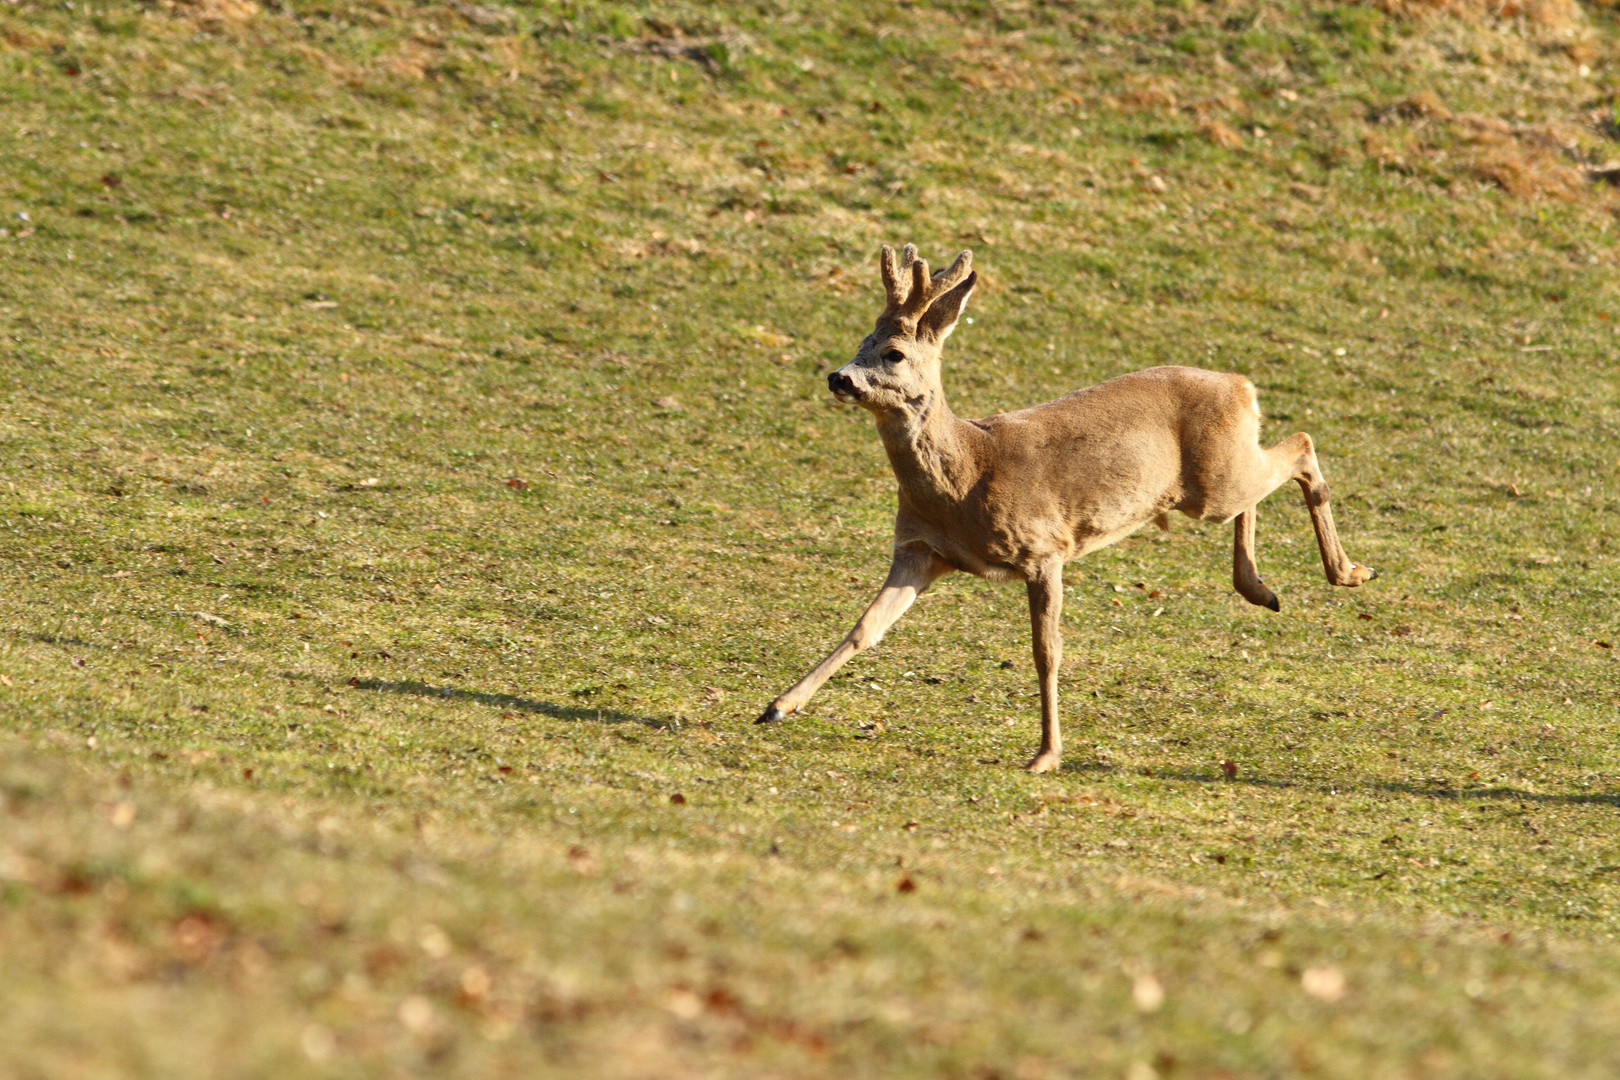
x=382, y=959
x=1156, y=95
x=677, y=799
x=517, y=485
x=1426, y=104
x=1221, y=135
x=906, y=885
x=74, y=883
x=475, y=984
x=196, y=937
x=1229, y=769
x=667, y=402
x=581, y=859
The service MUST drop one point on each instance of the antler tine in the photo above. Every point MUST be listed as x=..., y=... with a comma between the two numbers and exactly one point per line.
x=908, y=256
x=893, y=285
x=921, y=290
x=951, y=276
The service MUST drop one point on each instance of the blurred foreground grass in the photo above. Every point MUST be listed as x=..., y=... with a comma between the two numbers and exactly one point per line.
x=419, y=472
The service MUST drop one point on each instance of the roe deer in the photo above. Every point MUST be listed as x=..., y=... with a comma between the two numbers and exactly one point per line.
x=1019, y=494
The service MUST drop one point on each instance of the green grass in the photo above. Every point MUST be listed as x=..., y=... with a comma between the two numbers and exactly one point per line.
x=368, y=602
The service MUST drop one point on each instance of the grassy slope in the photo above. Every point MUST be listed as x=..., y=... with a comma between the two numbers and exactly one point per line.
x=330, y=752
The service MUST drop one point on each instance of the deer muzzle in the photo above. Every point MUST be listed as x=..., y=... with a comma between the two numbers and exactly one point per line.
x=843, y=387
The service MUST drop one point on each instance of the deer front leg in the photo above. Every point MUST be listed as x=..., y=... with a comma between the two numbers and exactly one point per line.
x=910, y=574
x=1045, y=611
x=1245, y=575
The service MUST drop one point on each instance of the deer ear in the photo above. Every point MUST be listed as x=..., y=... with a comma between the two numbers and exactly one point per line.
x=940, y=318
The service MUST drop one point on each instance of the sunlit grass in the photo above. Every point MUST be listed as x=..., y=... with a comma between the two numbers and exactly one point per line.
x=420, y=472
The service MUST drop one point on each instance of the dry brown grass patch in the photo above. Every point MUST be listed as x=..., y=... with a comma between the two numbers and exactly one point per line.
x=1552, y=14
x=1221, y=135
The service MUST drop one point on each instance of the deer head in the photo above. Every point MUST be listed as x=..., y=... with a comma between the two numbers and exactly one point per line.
x=896, y=368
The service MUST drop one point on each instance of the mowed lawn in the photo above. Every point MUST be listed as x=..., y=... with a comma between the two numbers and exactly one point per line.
x=418, y=472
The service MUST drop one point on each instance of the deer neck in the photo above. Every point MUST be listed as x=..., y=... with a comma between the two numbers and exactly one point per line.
x=929, y=450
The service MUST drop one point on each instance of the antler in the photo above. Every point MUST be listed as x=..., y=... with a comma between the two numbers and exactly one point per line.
x=908, y=300
x=896, y=287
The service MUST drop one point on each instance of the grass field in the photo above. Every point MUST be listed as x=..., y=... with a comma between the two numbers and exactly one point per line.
x=419, y=471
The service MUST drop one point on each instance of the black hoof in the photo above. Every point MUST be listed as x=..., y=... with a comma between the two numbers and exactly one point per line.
x=771, y=715
x=1273, y=603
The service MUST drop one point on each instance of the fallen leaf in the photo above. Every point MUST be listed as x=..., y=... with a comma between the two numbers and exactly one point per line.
x=475, y=983
x=196, y=937
x=1229, y=769
x=667, y=402
x=1221, y=135
x=677, y=799
x=906, y=885
x=516, y=484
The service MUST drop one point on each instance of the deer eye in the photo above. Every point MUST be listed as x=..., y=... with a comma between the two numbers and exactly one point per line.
x=894, y=356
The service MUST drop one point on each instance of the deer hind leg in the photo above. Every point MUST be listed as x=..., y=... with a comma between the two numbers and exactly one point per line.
x=1245, y=575
x=1297, y=454
x=910, y=574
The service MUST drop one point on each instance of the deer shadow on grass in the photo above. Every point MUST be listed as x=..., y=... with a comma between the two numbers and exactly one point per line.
x=509, y=702
x=1395, y=787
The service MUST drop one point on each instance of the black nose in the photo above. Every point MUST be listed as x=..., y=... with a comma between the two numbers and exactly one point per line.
x=839, y=383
